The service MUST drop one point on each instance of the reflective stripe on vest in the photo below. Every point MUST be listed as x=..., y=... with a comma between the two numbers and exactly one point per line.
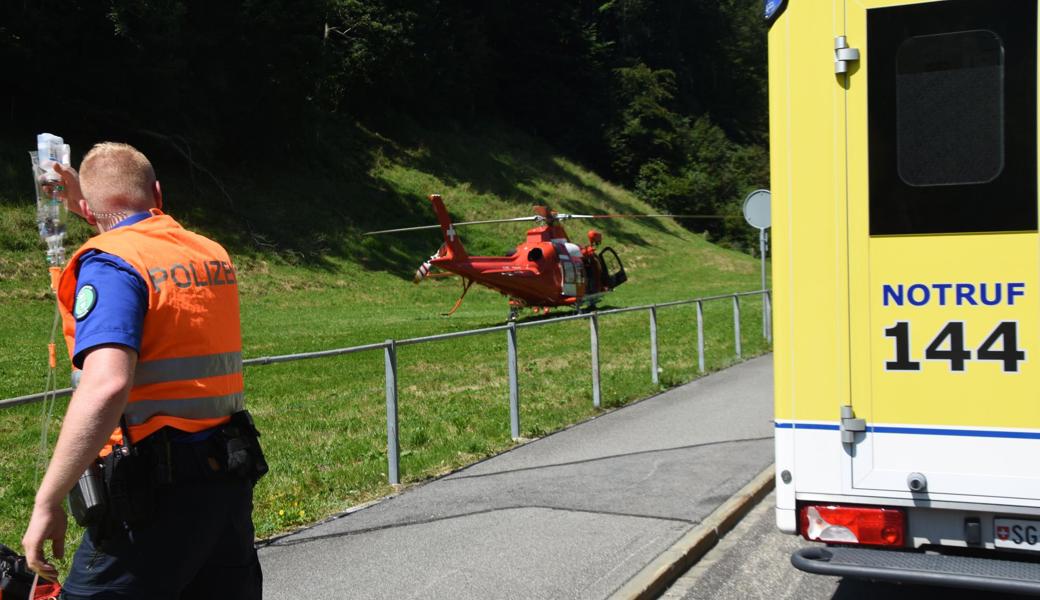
x=191, y=367
x=210, y=407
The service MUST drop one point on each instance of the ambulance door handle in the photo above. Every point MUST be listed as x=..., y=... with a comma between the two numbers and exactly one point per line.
x=843, y=55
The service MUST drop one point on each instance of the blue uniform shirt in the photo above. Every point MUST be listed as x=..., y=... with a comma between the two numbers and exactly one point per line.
x=115, y=311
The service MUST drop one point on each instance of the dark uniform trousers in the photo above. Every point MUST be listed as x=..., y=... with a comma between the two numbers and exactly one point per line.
x=199, y=546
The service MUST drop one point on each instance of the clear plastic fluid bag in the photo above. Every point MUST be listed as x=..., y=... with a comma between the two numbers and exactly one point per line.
x=51, y=214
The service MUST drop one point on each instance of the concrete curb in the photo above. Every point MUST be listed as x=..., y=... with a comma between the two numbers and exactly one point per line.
x=673, y=562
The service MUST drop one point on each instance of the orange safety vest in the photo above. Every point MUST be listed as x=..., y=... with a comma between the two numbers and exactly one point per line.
x=189, y=368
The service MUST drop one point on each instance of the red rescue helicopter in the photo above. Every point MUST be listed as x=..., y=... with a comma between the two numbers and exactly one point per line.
x=546, y=270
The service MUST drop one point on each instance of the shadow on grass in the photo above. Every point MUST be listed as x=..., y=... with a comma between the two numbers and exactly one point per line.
x=307, y=207
x=511, y=166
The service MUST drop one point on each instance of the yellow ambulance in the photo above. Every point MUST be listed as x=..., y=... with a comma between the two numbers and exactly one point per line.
x=906, y=271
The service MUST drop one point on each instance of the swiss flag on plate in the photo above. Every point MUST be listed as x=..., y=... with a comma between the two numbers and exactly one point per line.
x=1002, y=532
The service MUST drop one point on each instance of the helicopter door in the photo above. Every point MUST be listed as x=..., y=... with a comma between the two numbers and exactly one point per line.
x=571, y=268
x=612, y=269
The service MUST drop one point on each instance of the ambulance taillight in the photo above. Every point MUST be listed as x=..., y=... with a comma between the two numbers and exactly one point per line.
x=853, y=525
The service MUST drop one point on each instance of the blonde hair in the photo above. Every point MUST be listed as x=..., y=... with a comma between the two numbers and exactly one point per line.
x=117, y=177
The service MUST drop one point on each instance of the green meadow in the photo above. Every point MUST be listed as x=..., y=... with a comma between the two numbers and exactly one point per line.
x=310, y=281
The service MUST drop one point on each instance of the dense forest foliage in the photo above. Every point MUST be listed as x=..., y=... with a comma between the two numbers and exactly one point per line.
x=664, y=96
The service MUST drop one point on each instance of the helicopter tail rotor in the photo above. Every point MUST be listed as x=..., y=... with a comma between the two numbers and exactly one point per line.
x=424, y=269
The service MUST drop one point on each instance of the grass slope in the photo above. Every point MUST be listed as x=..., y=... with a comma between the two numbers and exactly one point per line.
x=309, y=282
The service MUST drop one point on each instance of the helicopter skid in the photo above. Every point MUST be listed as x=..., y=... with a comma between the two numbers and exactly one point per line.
x=590, y=300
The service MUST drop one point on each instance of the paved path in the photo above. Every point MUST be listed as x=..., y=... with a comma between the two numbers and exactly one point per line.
x=573, y=515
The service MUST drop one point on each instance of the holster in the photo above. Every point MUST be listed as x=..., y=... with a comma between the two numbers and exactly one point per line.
x=88, y=500
x=128, y=480
x=245, y=457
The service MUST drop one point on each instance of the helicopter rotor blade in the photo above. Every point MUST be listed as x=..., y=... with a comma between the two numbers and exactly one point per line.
x=460, y=224
x=543, y=216
x=568, y=216
x=513, y=220
x=419, y=228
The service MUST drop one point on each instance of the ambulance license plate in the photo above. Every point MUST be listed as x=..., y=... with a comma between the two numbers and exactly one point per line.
x=1016, y=533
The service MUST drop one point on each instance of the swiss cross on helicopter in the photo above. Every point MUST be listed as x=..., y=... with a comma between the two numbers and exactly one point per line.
x=545, y=270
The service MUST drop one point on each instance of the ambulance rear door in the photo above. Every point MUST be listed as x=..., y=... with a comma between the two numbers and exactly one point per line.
x=944, y=256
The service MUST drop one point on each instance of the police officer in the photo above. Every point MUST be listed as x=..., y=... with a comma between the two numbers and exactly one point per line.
x=151, y=317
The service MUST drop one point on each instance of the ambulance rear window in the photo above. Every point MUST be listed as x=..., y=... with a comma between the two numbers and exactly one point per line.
x=950, y=108
x=951, y=117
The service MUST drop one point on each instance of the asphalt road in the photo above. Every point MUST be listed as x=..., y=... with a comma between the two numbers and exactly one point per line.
x=577, y=514
x=753, y=562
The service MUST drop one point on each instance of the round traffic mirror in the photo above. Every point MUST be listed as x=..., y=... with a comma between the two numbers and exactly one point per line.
x=756, y=209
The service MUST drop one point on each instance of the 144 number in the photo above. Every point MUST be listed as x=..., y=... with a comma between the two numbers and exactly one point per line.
x=952, y=336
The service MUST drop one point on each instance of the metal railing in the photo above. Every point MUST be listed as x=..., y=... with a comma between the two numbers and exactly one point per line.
x=390, y=347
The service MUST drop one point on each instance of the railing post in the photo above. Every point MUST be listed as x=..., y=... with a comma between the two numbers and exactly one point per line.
x=767, y=316
x=514, y=383
x=594, y=344
x=736, y=323
x=654, y=377
x=393, y=455
x=700, y=336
